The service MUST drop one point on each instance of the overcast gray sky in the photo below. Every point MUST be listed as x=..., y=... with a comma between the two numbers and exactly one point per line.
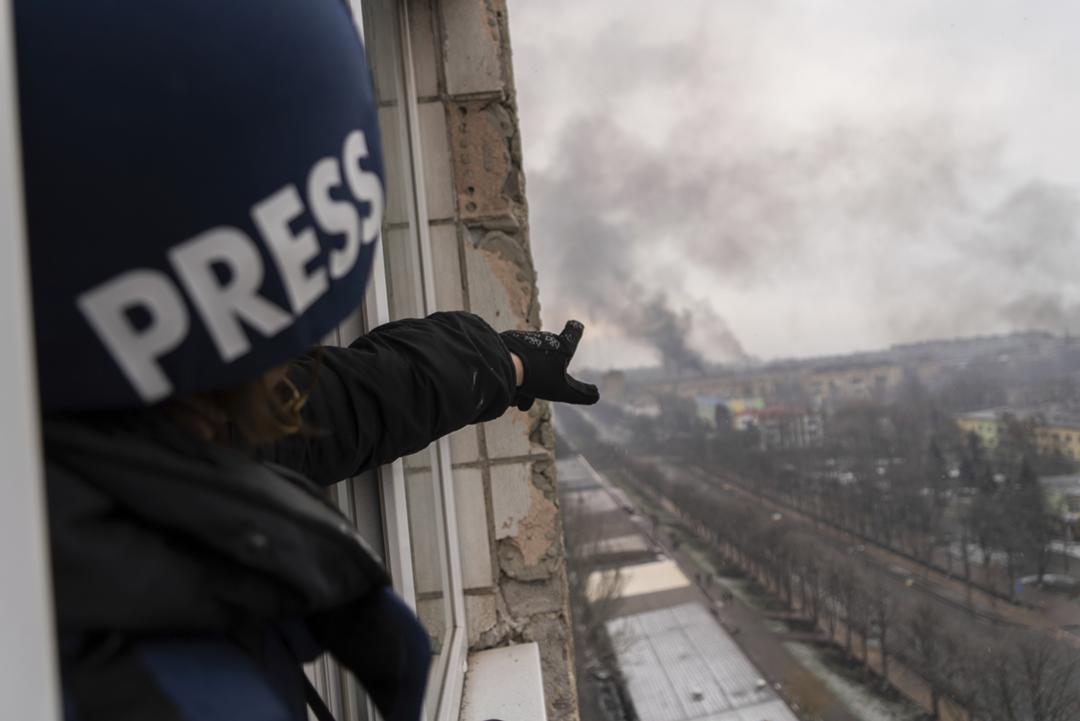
x=800, y=177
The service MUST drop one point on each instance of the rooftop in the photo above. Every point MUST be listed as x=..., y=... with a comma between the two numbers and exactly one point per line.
x=1050, y=415
x=681, y=666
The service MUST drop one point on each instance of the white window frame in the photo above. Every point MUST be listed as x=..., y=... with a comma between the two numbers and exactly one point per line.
x=442, y=703
x=447, y=699
x=458, y=646
x=29, y=677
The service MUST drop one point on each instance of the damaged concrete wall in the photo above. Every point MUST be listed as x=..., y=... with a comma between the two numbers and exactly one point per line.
x=511, y=531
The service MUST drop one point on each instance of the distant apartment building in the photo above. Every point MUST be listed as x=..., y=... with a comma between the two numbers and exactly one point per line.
x=718, y=412
x=833, y=386
x=824, y=387
x=1055, y=431
x=984, y=424
x=760, y=384
x=829, y=383
x=1059, y=433
x=779, y=426
x=784, y=427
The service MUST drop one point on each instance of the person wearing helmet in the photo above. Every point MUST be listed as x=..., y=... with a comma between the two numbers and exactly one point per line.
x=204, y=194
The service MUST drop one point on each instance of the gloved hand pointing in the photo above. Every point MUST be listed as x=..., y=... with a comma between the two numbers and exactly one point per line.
x=545, y=357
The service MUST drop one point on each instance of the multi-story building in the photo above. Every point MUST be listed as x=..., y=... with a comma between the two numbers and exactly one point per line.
x=1059, y=432
x=832, y=386
x=826, y=387
x=720, y=412
x=759, y=383
x=782, y=427
x=986, y=425
x=1055, y=431
x=470, y=527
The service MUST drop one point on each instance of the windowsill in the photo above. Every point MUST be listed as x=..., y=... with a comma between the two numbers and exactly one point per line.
x=504, y=683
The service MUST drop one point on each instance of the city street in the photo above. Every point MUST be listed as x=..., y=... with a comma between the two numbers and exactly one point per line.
x=746, y=625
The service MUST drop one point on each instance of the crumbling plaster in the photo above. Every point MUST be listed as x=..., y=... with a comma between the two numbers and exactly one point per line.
x=529, y=598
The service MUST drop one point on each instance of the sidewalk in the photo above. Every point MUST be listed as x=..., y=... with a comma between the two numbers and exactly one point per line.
x=751, y=633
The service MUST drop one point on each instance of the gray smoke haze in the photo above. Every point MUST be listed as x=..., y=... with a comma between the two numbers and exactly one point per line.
x=668, y=332
x=662, y=208
x=601, y=259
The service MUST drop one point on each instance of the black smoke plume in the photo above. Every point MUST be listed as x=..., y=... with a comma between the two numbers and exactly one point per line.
x=917, y=215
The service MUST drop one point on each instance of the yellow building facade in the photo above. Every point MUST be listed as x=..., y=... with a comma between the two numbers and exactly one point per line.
x=1055, y=434
x=1063, y=438
x=986, y=425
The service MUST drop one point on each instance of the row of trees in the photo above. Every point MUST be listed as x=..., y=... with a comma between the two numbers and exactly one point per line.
x=992, y=674
x=901, y=475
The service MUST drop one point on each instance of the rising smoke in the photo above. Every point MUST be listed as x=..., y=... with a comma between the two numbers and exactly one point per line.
x=602, y=260
x=916, y=217
x=668, y=332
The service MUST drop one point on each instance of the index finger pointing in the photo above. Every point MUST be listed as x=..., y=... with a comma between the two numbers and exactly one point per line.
x=571, y=335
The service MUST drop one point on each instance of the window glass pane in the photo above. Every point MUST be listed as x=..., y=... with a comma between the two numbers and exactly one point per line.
x=357, y=498
x=401, y=249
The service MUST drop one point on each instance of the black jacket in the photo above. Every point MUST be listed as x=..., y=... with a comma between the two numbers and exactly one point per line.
x=156, y=532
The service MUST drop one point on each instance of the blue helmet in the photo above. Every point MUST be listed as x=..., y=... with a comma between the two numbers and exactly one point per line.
x=203, y=189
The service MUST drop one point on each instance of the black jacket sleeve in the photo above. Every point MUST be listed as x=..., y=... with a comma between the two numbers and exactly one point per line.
x=394, y=391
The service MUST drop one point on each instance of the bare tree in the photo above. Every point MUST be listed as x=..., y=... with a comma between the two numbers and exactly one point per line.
x=860, y=612
x=1033, y=519
x=833, y=588
x=881, y=612
x=847, y=601
x=965, y=551
x=811, y=586
x=1029, y=677
x=926, y=648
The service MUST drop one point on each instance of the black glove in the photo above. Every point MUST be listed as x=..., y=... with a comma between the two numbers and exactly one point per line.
x=545, y=357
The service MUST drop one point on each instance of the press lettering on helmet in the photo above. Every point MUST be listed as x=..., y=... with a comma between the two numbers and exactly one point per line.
x=363, y=184
x=107, y=307
x=335, y=217
x=223, y=304
x=292, y=252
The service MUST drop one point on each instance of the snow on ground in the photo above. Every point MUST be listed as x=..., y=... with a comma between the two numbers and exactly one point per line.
x=1051, y=579
x=619, y=544
x=592, y=502
x=637, y=580
x=857, y=698
x=1073, y=549
x=975, y=554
